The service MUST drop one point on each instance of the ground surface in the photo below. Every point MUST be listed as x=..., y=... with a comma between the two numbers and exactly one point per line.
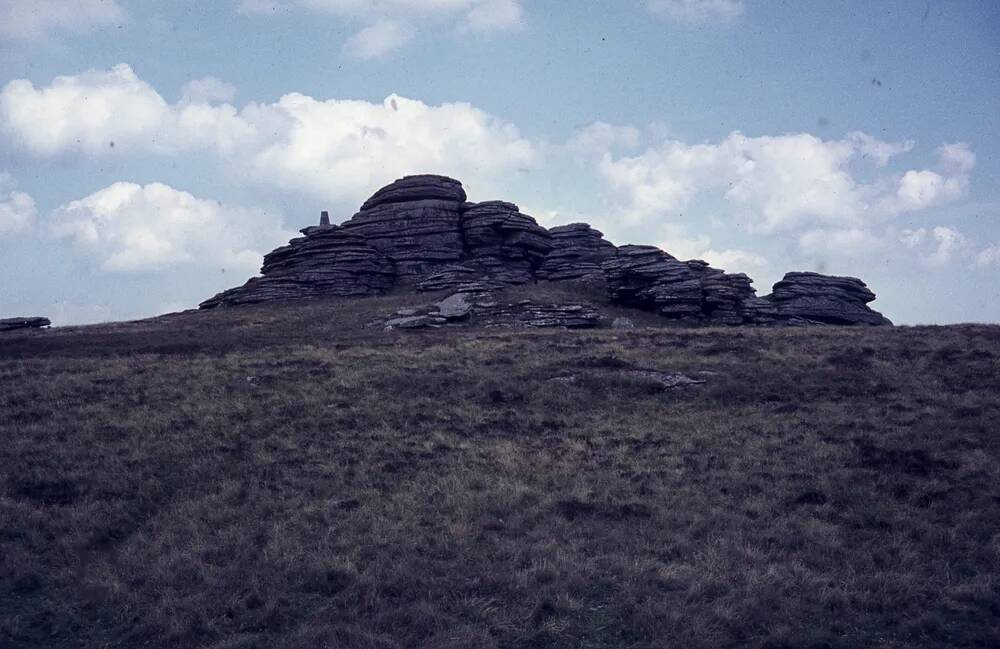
x=283, y=477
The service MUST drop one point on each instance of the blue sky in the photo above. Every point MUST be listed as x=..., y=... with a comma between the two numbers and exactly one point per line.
x=151, y=152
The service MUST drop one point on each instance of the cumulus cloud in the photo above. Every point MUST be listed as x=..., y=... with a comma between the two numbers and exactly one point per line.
x=86, y=112
x=27, y=20
x=17, y=209
x=937, y=246
x=780, y=181
x=920, y=189
x=378, y=39
x=878, y=150
x=130, y=227
x=783, y=183
x=334, y=149
x=697, y=11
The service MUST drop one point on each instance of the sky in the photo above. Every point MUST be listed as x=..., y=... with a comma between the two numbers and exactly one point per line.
x=151, y=152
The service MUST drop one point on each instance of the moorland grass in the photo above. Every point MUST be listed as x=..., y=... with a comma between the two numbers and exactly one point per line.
x=286, y=477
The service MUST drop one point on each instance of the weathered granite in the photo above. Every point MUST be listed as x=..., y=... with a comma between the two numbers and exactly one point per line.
x=420, y=232
x=824, y=299
x=578, y=251
x=32, y=322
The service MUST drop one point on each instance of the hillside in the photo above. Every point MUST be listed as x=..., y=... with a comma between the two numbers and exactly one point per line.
x=284, y=476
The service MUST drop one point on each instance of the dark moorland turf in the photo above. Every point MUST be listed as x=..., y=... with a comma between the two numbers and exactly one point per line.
x=283, y=477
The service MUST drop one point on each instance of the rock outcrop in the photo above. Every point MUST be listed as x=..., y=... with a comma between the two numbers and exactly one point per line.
x=420, y=232
x=10, y=324
x=578, y=251
x=812, y=298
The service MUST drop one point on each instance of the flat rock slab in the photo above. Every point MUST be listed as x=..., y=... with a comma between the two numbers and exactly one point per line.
x=10, y=324
x=455, y=307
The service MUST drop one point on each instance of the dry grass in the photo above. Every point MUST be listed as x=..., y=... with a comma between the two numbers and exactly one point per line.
x=283, y=477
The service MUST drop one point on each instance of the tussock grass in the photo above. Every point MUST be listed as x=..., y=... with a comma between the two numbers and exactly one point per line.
x=285, y=477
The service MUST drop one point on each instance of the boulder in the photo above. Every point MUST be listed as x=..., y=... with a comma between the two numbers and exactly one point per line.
x=802, y=297
x=34, y=322
x=455, y=307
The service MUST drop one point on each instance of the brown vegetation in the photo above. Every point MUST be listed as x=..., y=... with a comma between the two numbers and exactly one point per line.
x=285, y=477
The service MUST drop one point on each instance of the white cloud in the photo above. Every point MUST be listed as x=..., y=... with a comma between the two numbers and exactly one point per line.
x=919, y=189
x=949, y=243
x=33, y=19
x=601, y=137
x=207, y=90
x=956, y=157
x=780, y=181
x=938, y=246
x=86, y=112
x=677, y=242
x=17, y=209
x=344, y=149
x=379, y=39
x=697, y=11
x=989, y=256
x=876, y=149
x=334, y=149
x=391, y=24
x=493, y=15
x=130, y=227
x=735, y=261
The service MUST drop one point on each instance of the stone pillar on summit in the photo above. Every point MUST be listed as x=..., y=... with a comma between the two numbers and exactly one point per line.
x=324, y=218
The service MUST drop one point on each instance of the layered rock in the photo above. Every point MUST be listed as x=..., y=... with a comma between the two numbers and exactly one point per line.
x=420, y=232
x=578, y=251
x=648, y=278
x=329, y=260
x=35, y=322
x=807, y=298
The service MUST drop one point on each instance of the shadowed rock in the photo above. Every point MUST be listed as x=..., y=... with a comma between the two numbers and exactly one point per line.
x=10, y=324
x=421, y=232
x=577, y=254
x=826, y=299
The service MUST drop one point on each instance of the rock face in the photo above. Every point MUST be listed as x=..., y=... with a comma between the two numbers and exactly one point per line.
x=807, y=298
x=420, y=232
x=10, y=324
x=578, y=251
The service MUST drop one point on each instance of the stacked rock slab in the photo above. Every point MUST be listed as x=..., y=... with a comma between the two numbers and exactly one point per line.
x=420, y=232
x=415, y=222
x=329, y=260
x=648, y=278
x=34, y=322
x=577, y=254
x=809, y=298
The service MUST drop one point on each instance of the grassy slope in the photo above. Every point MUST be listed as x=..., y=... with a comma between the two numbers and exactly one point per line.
x=281, y=477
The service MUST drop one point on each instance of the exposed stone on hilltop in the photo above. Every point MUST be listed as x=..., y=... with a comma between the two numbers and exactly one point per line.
x=421, y=232
x=824, y=299
x=577, y=253
x=327, y=261
x=10, y=324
